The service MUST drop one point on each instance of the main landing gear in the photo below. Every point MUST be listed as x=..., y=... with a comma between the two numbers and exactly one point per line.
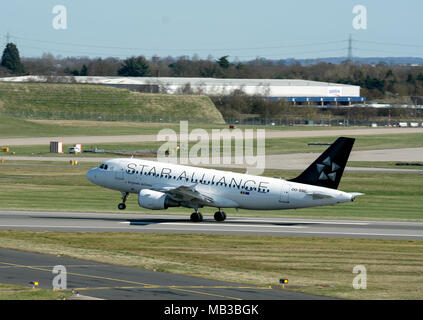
x=122, y=205
x=219, y=216
x=198, y=217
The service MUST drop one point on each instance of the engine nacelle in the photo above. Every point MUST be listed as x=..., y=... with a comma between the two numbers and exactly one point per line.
x=155, y=200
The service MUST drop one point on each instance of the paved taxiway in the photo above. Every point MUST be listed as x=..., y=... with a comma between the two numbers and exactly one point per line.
x=294, y=161
x=105, y=281
x=270, y=134
x=120, y=222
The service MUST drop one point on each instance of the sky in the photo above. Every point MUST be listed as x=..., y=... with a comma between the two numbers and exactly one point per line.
x=243, y=30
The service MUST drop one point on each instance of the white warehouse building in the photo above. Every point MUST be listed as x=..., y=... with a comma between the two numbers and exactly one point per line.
x=294, y=90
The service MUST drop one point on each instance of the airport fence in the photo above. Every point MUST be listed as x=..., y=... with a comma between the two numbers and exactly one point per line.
x=252, y=121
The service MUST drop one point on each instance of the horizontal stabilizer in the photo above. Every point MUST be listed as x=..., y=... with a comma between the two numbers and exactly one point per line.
x=320, y=195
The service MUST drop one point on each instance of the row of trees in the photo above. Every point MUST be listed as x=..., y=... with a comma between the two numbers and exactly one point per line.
x=238, y=105
x=387, y=82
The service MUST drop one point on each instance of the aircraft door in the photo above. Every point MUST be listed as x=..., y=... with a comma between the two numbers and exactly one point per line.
x=284, y=196
x=119, y=174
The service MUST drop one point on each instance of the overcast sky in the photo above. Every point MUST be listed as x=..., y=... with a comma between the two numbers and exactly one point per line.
x=241, y=29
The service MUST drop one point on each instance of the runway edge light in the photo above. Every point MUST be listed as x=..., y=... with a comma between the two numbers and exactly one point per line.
x=283, y=282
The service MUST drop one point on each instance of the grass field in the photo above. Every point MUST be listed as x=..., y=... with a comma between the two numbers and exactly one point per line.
x=397, y=196
x=272, y=146
x=79, y=98
x=12, y=127
x=312, y=265
x=362, y=142
x=13, y=292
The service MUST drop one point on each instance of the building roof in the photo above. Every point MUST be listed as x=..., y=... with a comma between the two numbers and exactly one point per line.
x=178, y=81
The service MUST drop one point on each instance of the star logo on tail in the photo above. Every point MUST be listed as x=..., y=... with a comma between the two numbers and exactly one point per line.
x=330, y=167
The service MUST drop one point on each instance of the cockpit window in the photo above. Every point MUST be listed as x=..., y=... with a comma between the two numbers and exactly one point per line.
x=103, y=166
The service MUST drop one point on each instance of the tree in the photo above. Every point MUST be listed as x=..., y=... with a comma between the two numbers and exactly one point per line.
x=223, y=62
x=84, y=70
x=11, y=60
x=134, y=67
x=103, y=67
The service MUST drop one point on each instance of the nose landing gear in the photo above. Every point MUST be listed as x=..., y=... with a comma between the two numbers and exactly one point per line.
x=122, y=205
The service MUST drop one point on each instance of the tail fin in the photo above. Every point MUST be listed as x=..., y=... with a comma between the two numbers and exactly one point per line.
x=327, y=170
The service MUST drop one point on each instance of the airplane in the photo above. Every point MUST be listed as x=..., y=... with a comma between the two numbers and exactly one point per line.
x=162, y=185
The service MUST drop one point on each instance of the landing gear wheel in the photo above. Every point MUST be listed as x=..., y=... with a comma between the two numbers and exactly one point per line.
x=219, y=216
x=196, y=217
x=122, y=205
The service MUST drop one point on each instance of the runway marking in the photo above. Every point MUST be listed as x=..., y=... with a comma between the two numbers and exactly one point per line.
x=206, y=224
x=118, y=280
x=177, y=288
x=69, y=226
x=209, y=294
x=302, y=222
x=73, y=265
x=171, y=287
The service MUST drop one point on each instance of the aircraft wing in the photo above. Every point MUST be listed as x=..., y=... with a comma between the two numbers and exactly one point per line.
x=184, y=193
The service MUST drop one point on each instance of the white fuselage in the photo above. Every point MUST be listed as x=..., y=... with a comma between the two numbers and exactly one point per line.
x=227, y=189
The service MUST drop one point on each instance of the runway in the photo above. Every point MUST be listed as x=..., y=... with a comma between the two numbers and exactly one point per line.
x=119, y=222
x=93, y=280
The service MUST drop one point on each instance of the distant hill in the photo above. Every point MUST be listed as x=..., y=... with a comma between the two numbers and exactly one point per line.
x=370, y=60
x=76, y=99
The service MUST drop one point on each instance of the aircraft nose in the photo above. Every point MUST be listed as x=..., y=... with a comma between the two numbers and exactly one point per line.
x=91, y=175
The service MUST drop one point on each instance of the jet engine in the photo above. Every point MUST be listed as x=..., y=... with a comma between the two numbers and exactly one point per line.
x=155, y=200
